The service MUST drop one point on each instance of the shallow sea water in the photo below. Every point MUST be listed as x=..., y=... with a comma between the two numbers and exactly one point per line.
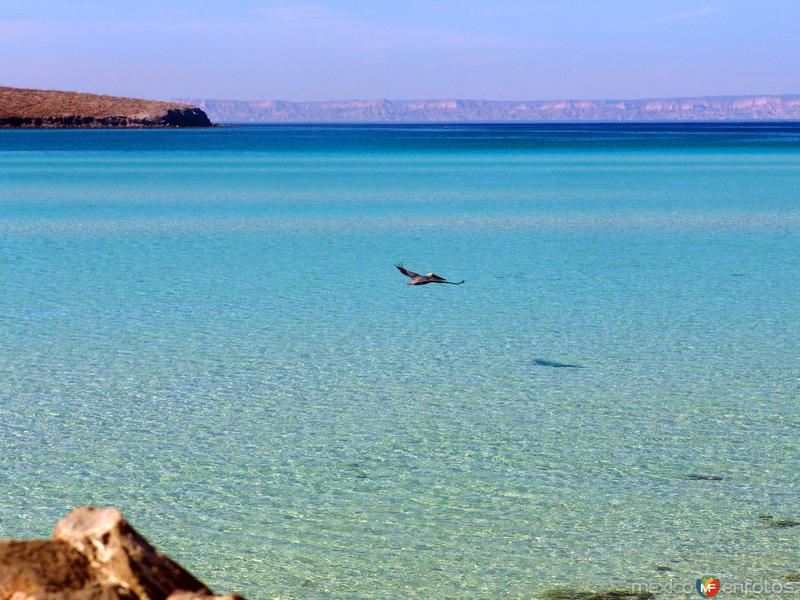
x=205, y=329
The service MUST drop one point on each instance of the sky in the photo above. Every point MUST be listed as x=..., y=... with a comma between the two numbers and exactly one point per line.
x=347, y=49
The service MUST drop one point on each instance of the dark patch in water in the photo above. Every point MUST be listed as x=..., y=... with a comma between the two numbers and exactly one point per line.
x=781, y=523
x=573, y=594
x=700, y=477
x=555, y=364
x=356, y=466
x=663, y=568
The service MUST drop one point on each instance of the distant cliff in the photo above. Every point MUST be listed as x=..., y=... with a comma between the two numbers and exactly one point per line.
x=729, y=108
x=57, y=110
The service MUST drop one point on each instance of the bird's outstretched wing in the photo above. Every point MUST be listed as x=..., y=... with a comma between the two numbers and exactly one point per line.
x=405, y=271
x=437, y=279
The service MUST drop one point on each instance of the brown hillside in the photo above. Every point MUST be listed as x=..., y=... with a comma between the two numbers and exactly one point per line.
x=47, y=108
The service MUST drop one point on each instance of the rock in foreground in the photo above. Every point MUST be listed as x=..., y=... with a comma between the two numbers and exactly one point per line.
x=94, y=554
x=47, y=109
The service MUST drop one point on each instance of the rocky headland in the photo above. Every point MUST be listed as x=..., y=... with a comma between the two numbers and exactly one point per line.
x=95, y=554
x=48, y=109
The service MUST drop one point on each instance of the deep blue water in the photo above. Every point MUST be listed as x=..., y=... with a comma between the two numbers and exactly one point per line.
x=205, y=329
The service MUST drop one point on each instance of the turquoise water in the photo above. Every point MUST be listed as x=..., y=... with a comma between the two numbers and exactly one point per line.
x=205, y=329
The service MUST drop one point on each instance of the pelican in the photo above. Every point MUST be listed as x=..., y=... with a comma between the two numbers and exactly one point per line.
x=417, y=279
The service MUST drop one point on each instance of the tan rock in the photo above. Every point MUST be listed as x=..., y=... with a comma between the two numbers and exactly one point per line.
x=47, y=570
x=34, y=567
x=95, y=555
x=120, y=556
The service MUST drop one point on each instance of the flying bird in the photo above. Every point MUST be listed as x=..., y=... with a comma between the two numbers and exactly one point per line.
x=417, y=279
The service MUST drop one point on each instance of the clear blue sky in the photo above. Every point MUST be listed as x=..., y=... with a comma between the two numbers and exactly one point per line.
x=341, y=49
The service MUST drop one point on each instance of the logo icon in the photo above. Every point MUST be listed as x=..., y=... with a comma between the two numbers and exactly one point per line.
x=707, y=587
